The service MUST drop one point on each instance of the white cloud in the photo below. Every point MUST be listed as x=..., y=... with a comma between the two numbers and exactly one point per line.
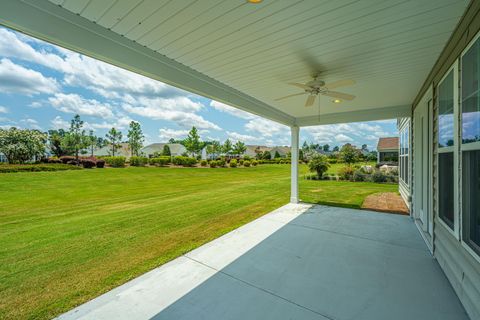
x=231, y=110
x=266, y=128
x=243, y=137
x=167, y=134
x=75, y=104
x=3, y=109
x=17, y=79
x=31, y=123
x=59, y=123
x=343, y=138
x=35, y=104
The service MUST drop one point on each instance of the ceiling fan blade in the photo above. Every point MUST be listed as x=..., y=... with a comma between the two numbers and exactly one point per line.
x=310, y=100
x=339, y=95
x=291, y=95
x=300, y=85
x=340, y=83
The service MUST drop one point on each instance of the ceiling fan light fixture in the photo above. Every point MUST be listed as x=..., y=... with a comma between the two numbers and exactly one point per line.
x=254, y=1
x=336, y=101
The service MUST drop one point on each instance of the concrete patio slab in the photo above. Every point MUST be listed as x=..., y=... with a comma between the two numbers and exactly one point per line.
x=298, y=262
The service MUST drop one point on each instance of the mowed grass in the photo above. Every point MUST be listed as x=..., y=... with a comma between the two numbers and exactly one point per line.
x=69, y=236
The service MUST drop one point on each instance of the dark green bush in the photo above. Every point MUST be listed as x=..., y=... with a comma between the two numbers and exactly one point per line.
x=88, y=164
x=379, y=177
x=7, y=168
x=115, y=162
x=240, y=162
x=233, y=163
x=222, y=163
x=184, y=161
x=254, y=162
x=100, y=163
x=359, y=176
x=203, y=163
x=246, y=163
x=138, y=161
x=213, y=164
x=159, y=161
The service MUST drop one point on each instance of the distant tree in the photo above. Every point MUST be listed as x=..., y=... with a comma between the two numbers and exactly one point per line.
x=192, y=143
x=92, y=142
x=364, y=147
x=55, y=138
x=75, y=140
x=20, y=146
x=214, y=148
x=135, y=138
x=349, y=154
x=266, y=155
x=171, y=140
x=166, y=151
x=336, y=149
x=277, y=155
x=319, y=164
x=227, y=147
x=239, y=148
x=305, y=146
x=114, y=138
x=326, y=148
x=301, y=156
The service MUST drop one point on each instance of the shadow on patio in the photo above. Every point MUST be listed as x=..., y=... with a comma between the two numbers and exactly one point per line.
x=298, y=262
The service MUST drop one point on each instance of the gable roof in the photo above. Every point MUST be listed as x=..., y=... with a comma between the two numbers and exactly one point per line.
x=387, y=143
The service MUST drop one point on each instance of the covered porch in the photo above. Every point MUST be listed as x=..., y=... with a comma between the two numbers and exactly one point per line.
x=301, y=261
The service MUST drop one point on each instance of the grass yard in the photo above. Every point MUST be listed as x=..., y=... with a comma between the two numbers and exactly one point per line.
x=69, y=236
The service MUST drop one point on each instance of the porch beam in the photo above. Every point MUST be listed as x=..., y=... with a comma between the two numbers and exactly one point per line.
x=385, y=113
x=46, y=21
x=295, y=140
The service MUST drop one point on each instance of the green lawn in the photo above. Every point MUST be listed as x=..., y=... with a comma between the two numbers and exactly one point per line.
x=69, y=236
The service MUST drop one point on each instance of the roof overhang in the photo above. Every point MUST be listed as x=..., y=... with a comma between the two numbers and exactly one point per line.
x=246, y=54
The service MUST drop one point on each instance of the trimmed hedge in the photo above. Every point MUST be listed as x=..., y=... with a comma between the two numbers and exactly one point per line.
x=203, y=163
x=233, y=163
x=246, y=163
x=138, y=161
x=213, y=164
x=115, y=162
x=184, y=161
x=7, y=168
x=100, y=163
x=88, y=164
x=254, y=163
x=159, y=161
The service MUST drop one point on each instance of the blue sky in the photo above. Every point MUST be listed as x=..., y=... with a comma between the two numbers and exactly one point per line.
x=43, y=86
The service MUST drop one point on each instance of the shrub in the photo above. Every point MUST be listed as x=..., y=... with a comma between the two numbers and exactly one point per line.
x=240, y=162
x=8, y=168
x=245, y=158
x=379, y=177
x=184, y=161
x=73, y=162
x=332, y=160
x=138, y=161
x=213, y=164
x=54, y=160
x=319, y=164
x=254, y=163
x=159, y=161
x=359, y=176
x=115, y=162
x=88, y=164
x=346, y=173
x=233, y=163
x=222, y=163
x=246, y=163
x=100, y=163
x=203, y=163
x=66, y=159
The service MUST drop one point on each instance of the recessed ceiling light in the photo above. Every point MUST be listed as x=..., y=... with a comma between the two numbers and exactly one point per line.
x=337, y=101
x=254, y=1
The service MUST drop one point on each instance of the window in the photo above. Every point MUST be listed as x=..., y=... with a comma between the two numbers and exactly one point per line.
x=404, y=150
x=470, y=147
x=446, y=144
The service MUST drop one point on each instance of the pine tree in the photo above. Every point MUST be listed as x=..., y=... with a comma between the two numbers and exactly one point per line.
x=135, y=138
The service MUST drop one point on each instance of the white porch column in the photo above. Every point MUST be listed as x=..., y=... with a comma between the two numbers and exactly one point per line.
x=294, y=166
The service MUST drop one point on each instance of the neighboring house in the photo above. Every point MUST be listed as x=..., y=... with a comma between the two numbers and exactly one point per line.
x=387, y=149
x=176, y=149
x=282, y=151
x=404, y=168
x=123, y=150
x=253, y=150
x=2, y=158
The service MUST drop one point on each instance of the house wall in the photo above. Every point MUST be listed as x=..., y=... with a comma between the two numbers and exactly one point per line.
x=460, y=264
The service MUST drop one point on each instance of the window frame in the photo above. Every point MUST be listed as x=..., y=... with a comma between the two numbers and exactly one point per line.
x=455, y=232
x=404, y=153
x=472, y=146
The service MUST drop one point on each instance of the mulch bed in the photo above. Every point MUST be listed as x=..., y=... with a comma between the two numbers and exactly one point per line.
x=389, y=202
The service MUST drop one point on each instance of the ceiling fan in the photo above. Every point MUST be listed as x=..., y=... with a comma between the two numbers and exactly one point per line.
x=315, y=87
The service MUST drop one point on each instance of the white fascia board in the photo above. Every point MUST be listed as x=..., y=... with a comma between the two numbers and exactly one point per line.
x=49, y=22
x=356, y=116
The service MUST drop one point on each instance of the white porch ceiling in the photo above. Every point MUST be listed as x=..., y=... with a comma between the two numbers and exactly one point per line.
x=387, y=47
